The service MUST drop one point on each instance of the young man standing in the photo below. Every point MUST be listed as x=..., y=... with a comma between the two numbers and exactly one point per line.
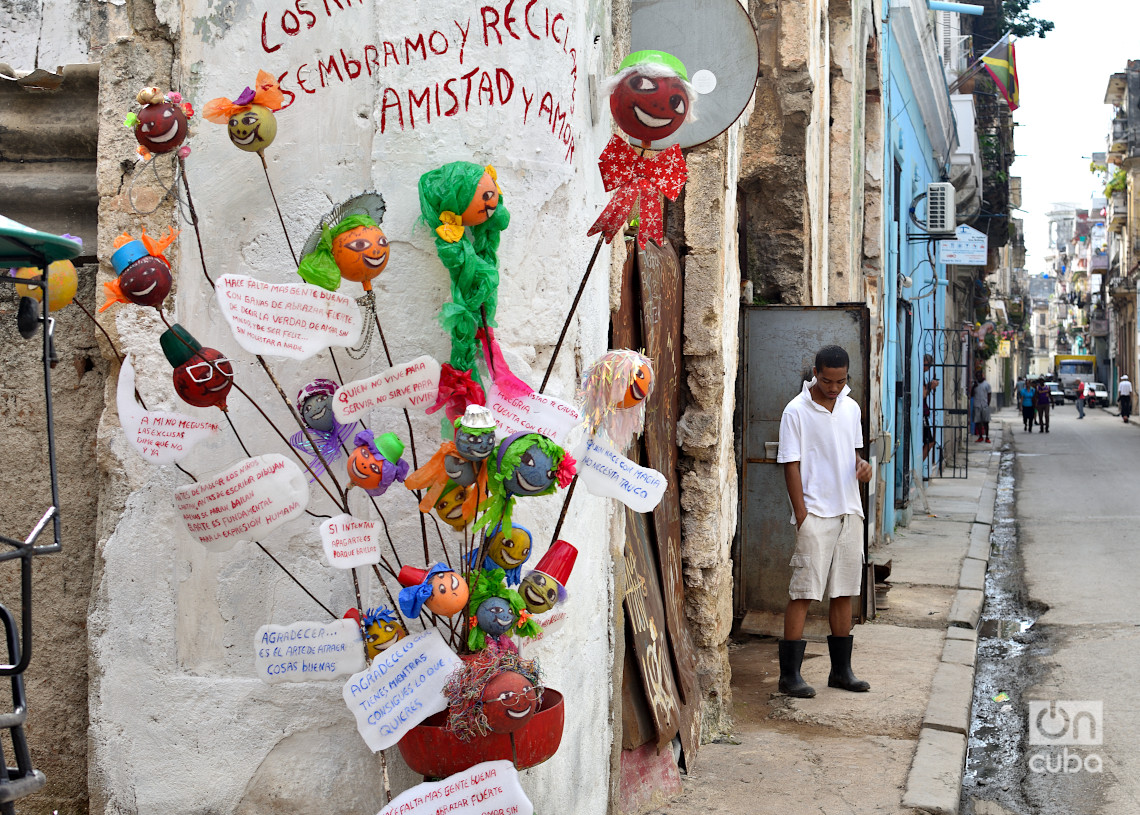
x=1124, y=392
x=1044, y=400
x=1080, y=399
x=820, y=431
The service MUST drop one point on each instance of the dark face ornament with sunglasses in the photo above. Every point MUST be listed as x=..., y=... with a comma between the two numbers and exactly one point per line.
x=509, y=701
x=202, y=376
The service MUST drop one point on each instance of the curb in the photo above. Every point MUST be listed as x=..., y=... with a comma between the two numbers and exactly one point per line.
x=934, y=783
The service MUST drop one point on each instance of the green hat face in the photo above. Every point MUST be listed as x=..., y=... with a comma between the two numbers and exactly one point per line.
x=657, y=58
x=390, y=446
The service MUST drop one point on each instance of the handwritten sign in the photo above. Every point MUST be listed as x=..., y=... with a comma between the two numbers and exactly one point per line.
x=350, y=542
x=536, y=413
x=490, y=788
x=292, y=320
x=246, y=501
x=402, y=687
x=410, y=385
x=304, y=651
x=158, y=436
x=551, y=621
x=608, y=474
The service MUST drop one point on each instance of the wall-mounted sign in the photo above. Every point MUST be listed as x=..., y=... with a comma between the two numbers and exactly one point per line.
x=293, y=320
x=159, y=436
x=243, y=502
x=969, y=248
x=304, y=651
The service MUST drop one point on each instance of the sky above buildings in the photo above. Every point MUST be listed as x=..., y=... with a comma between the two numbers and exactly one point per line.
x=1063, y=120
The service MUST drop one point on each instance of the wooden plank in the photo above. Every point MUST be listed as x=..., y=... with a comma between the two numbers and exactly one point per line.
x=646, y=614
x=661, y=290
x=636, y=722
x=625, y=323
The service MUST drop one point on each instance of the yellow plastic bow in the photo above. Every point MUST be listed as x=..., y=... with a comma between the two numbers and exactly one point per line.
x=494, y=177
x=452, y=227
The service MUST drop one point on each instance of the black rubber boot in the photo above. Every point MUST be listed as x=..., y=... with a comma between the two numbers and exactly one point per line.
x=841, y=676
x=791, y=657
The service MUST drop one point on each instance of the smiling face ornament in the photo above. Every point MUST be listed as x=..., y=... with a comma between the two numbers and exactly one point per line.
x=495, y=616
x=509, y=552
x=202, y=376
x=382, y=630
x=475, y=433
x=161, y=127
x=316, y=411
x=539, y=592
x=449, y=508
x=252, y=129
x=651, y=97
x=361, y=253
x=509, y=701
x=534, y=473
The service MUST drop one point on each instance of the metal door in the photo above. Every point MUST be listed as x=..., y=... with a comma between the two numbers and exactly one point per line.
x=950, y=403
x=778, y=347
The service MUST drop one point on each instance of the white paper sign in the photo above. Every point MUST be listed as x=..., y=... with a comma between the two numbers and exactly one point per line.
x=292, y=320
x=402, y=687
x=536, y=413
x=410, y=385
x=305, y=651
x=350, y=542
x=608, y=474
x=158, y=436
x=490, y=788
x=244, y=502
x=551, y=621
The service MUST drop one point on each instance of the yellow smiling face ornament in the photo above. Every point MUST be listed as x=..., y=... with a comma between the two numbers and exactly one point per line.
x=249, y=118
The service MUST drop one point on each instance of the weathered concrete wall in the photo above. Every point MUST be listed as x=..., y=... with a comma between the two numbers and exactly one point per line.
x=172, y=624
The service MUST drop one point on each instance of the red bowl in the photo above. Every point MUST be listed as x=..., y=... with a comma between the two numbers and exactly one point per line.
x=435, y=752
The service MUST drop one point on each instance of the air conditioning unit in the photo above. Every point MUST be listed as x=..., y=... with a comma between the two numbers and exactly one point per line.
x=940, y=219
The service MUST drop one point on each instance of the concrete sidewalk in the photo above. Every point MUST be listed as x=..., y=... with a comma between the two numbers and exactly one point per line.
x=901, y=747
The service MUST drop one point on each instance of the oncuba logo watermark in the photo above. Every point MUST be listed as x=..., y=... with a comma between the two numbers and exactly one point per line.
x=1065, y=724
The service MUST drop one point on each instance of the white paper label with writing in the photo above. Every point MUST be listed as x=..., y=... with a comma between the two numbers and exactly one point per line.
x=490, y=788
x=608, y=474
x=535, y=413
x=158, y=436
x=410, y=385
x=292, y=320
x=305, y=651
x=243, y=502
x=350, y=542
x=402, y=687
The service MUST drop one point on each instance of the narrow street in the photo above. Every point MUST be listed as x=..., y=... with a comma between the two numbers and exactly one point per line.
x=1078, y=507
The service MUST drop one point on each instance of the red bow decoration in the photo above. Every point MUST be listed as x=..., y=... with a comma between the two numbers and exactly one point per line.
x=638, y=179
x=457, y=390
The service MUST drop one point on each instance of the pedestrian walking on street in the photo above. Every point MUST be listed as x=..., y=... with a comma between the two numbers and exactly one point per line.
x=1081, y=399
x=982, y=393
x=1028, y=395
x=820, y=432
x=1043, y=401
x=1124, y=392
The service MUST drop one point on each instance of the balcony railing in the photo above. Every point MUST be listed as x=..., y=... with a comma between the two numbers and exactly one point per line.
x=1117, y=209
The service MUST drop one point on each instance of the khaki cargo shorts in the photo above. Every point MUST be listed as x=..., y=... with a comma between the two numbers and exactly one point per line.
x=829, y=556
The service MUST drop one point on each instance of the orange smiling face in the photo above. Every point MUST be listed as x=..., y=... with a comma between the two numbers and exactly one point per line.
x=360, y=253
x=484, y=204
x=639, y=385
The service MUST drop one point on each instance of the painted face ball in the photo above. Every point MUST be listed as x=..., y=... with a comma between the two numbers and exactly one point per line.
x=539, y=592
x=161, y=128
x=205, y=379
x=317, y=412
x=381, y=636
x=360, y=253
x=495, y=617
x=62, y=284
x=459, y=470
x=253, y=130
x=649, y=107
x=365, y=469
x=449, y=508
x=483, y=204
x=474, y=446
x=146, y=282
x=639, y=385
x=449, y=594
x=534, y=474
x=509, y=553
x=509, y=700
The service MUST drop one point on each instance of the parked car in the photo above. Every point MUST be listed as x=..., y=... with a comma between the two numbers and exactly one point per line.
x=1097, y=394
x=1056, y=394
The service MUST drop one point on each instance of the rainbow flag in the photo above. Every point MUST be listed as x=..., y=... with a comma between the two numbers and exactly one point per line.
x=1001, y=64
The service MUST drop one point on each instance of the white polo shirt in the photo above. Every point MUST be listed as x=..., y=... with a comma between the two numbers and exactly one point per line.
x=1125, y=388
x=824, y=442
